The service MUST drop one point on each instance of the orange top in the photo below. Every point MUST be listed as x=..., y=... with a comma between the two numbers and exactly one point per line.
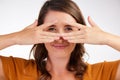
x=21, y=69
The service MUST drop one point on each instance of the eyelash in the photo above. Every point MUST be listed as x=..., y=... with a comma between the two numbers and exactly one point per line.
x=68, y=29
x=51, y=29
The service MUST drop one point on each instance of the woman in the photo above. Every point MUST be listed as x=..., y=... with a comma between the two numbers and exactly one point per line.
x=59, y=36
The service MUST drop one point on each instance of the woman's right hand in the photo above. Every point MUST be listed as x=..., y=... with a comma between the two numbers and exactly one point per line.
x=34, y=34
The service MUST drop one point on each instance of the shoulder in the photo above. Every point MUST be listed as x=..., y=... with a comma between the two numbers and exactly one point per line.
x=15, y=61
x=105, y=70
x=18, y=66
x=106, y=64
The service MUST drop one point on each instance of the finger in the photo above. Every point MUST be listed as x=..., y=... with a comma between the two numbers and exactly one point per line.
x=45, y=40
x=44, y=33
x=91, y=22
x=49, y=37
x=45, y=25
x=75, y=37
x=79, y=26
x=77, y=41
x=75, y=33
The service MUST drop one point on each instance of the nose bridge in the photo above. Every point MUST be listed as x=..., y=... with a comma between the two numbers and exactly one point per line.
x=61, y=29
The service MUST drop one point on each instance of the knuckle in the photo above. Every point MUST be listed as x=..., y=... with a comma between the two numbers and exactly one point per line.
x=85, y=36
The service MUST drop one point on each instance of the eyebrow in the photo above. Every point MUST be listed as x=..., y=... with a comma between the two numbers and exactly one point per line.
x=52, y=26
x=67, y=25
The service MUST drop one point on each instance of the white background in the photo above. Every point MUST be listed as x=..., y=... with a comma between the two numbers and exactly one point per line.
x=17, y=14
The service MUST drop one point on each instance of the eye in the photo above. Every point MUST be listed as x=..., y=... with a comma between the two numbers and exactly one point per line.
x=51, y=29
x=68, y=28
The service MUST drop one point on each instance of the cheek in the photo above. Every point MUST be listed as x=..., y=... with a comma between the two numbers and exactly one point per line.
x=72, y=46
x=47, y=46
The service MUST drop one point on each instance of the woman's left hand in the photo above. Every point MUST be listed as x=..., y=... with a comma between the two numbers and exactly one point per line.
x=85, y=34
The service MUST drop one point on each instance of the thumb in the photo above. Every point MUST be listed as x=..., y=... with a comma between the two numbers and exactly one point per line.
x=91, y=22
x=33, y=25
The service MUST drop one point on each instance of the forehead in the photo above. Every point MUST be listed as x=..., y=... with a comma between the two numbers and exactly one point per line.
x=61, y=17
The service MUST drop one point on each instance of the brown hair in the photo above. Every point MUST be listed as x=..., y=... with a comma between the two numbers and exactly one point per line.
x=76, y=64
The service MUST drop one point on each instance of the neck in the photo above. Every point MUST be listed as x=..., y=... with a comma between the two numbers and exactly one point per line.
x=57, y=65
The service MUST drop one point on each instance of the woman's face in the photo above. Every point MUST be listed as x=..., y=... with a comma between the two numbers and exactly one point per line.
x=60, y=47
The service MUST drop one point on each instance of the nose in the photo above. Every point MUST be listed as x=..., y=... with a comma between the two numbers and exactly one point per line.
x=60, y=40
x=61, y=30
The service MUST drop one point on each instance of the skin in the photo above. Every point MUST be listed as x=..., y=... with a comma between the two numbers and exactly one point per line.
x=59, y=39
x=59, y=50
x=61, y=47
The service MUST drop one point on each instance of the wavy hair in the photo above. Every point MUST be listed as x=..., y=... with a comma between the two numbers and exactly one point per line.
x=75, y=64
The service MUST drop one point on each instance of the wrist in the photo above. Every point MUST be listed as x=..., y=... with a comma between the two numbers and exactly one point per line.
x=10, y=39
x=14, y=38
x=6, y=41
x=106, y=38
